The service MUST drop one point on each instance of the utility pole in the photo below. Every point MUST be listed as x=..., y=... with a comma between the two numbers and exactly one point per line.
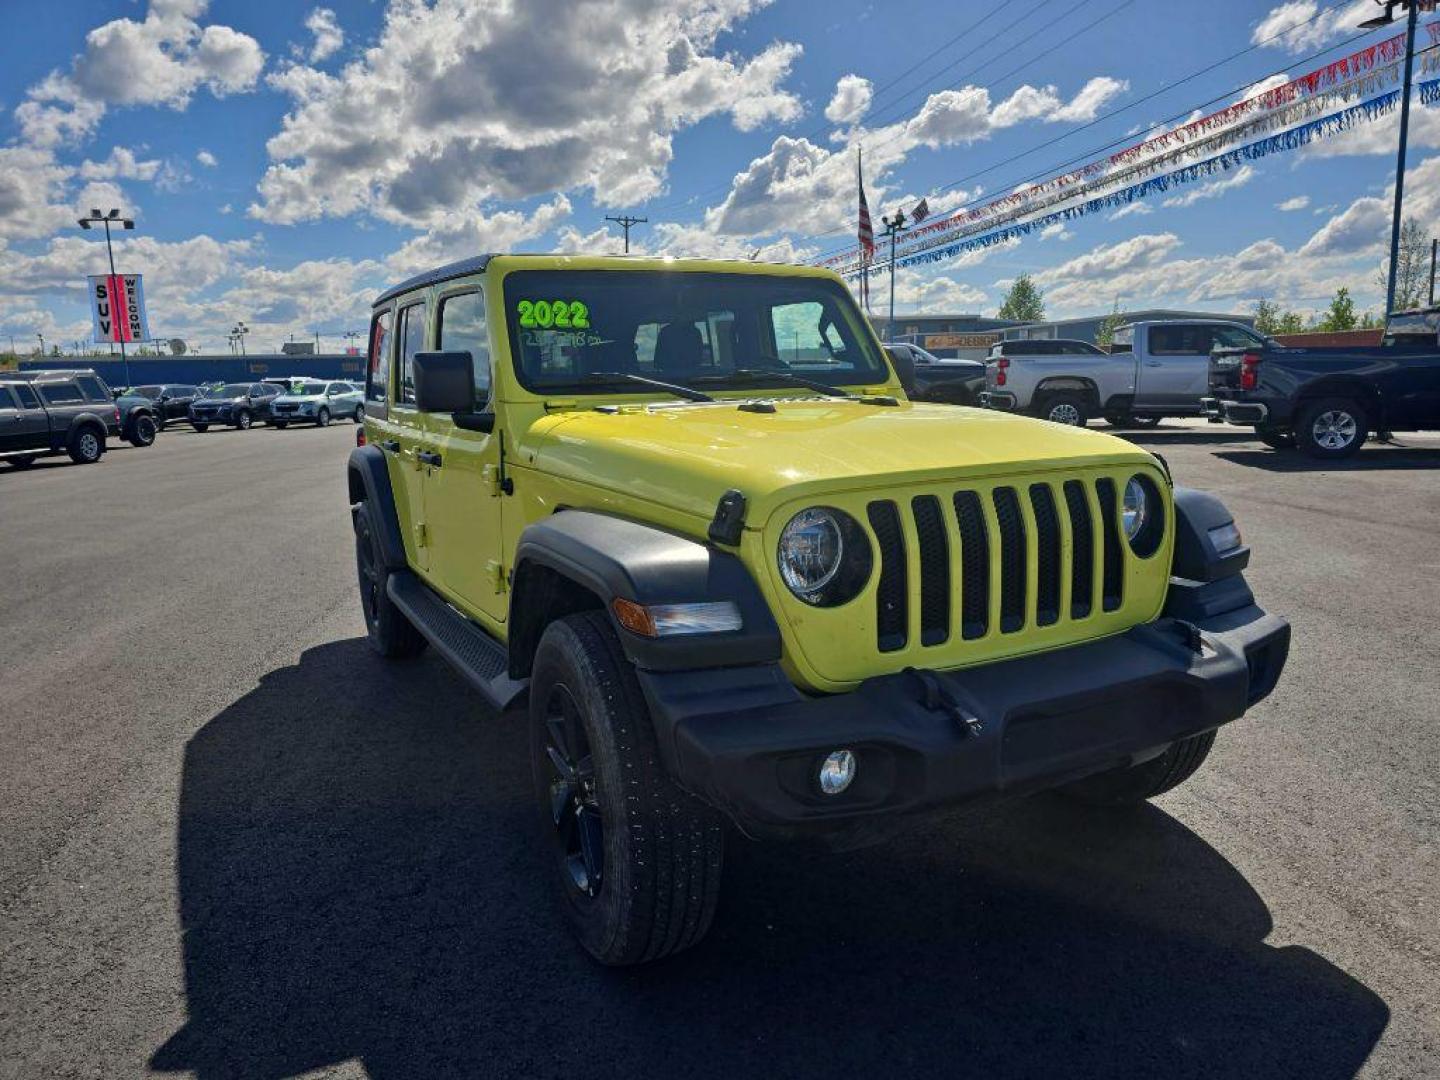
x=625, y=221
x=1434, y=250
x=126, y=223
x=1412, y=8
x=894, y=226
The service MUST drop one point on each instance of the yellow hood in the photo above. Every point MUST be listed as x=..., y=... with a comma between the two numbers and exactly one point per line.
x=686, y=456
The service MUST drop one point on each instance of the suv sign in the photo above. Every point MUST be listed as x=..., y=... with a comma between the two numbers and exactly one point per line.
x=117, y=306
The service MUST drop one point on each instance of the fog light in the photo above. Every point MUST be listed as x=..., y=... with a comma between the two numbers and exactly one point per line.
x=836, y=771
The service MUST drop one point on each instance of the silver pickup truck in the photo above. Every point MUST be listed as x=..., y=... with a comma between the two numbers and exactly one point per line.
x=1153, y=370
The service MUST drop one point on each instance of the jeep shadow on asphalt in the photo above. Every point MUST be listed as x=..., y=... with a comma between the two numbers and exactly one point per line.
x=362, y=879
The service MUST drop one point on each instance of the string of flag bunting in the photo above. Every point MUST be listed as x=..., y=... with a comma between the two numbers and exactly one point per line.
x=1292, y=139
x=1341, y=81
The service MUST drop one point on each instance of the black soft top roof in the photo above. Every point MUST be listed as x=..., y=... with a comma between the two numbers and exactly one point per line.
x=463, y=268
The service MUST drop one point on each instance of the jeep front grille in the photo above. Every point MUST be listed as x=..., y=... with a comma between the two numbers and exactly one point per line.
x=1044, y=537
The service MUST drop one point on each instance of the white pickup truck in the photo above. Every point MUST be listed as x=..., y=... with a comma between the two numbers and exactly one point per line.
x=1153, y=370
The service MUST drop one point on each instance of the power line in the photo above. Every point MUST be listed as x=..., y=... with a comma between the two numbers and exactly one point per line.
x=820, y=131
x=625, y=221
x=1116, y=112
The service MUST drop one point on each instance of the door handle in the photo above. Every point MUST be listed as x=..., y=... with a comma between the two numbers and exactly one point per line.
x=393, y=445
x=429, y=457
x=1153, y=363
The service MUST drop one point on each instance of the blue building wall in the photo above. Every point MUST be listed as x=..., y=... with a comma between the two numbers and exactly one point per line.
x=206, y=369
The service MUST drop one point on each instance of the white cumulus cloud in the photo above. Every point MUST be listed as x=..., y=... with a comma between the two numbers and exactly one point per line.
x=321, y=22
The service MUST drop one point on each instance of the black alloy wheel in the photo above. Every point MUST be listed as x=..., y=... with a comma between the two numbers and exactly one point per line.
x=578, y=825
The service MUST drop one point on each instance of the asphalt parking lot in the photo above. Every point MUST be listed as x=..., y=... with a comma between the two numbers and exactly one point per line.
x=235, y=843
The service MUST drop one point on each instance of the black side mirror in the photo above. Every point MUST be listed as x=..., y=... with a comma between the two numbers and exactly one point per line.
x=444, y=382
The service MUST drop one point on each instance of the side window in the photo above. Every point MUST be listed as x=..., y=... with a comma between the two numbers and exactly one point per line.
x=412, y=341
x=92, y=389
x=1179, y=340
x=61, y=393
x=27, y=397
x=461, y=328
x=337, y=388
x=377, y=375
x=6, y=401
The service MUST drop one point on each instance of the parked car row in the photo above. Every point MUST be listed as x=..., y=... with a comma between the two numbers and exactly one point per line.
x=74, y=412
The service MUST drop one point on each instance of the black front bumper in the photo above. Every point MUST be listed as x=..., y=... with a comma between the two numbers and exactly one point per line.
x=746, y=741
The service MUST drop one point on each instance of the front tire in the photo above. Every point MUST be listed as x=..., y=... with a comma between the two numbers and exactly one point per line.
x=21, y=461
x=1068, y=408
x=280, y=425
x=86, y=447
x=359, y=414
x=1330, y=429
x=244, y=420
x=390, y=633
x=202, y=428
x=637, y=860
x=1124, y=787
x=142, y=431
x=322, y=418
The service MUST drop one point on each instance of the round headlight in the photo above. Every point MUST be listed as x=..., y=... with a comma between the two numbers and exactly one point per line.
x=1136, y=508
x=1142, y=515
x=811, y=548
x=824, y=556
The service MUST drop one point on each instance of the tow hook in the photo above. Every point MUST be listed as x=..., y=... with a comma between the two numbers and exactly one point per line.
x=937, y=697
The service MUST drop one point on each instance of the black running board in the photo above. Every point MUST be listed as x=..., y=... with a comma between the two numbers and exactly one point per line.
x=469, y=650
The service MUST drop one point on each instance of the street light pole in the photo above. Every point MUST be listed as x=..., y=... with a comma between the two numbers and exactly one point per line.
x=1412, y=8
x=126, y=223
x=893, y=228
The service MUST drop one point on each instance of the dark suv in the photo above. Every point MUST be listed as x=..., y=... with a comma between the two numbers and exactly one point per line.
x=55, y=412
x=236, y=404
x=169, y=402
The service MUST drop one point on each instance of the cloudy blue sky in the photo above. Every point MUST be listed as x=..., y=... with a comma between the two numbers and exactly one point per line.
x=285, y=160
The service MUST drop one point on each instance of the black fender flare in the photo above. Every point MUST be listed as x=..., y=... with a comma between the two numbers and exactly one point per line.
x=127, y=422
x=84, y=420
x=612, y=557
x=368, y=478
x=1204, y=583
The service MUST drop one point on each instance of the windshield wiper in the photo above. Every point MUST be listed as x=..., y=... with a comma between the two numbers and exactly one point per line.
x=686, y=392
x=779, y=376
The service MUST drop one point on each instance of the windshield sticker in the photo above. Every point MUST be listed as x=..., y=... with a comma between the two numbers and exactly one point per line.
x=561, y=314
x=534, y=339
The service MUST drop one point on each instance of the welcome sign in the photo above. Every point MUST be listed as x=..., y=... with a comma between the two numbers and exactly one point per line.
x=117, y=305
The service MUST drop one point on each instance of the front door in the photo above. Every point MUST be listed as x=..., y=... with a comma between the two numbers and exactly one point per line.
x=1174, y=368
x=462, y=477
x=31, y=426
x=404, y=436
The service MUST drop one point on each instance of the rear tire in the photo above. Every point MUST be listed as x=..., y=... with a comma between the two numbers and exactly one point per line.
x=87, y=446
x=390, y=633
x=21, y=461
x=1124, y=787
x=202, y=428
x=280, y=424
x=1330, y=429
x=359, y=415
x=243, y=420
x=637, y=860
x=1066, y=407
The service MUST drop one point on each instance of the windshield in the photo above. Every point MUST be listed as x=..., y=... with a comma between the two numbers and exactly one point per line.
x=230, y=390
x=151, y=392
x=720, y=329
x=307, y=389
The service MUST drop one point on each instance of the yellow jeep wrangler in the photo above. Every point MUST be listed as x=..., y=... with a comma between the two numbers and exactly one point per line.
x=683, y=512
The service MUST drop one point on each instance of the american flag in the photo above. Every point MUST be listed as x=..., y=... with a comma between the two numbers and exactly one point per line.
x=921, y=211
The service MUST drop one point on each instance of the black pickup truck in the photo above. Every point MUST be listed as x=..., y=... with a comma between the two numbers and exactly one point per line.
x=1326, y=401
x=55, y=412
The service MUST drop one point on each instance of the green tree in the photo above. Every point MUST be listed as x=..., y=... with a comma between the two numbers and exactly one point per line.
x=1340, y=315
x=1267, y=316
x=1290, y=322
x=1412, y=282
x=1105, y=336
x=1024, y=302
x=1368, y=321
